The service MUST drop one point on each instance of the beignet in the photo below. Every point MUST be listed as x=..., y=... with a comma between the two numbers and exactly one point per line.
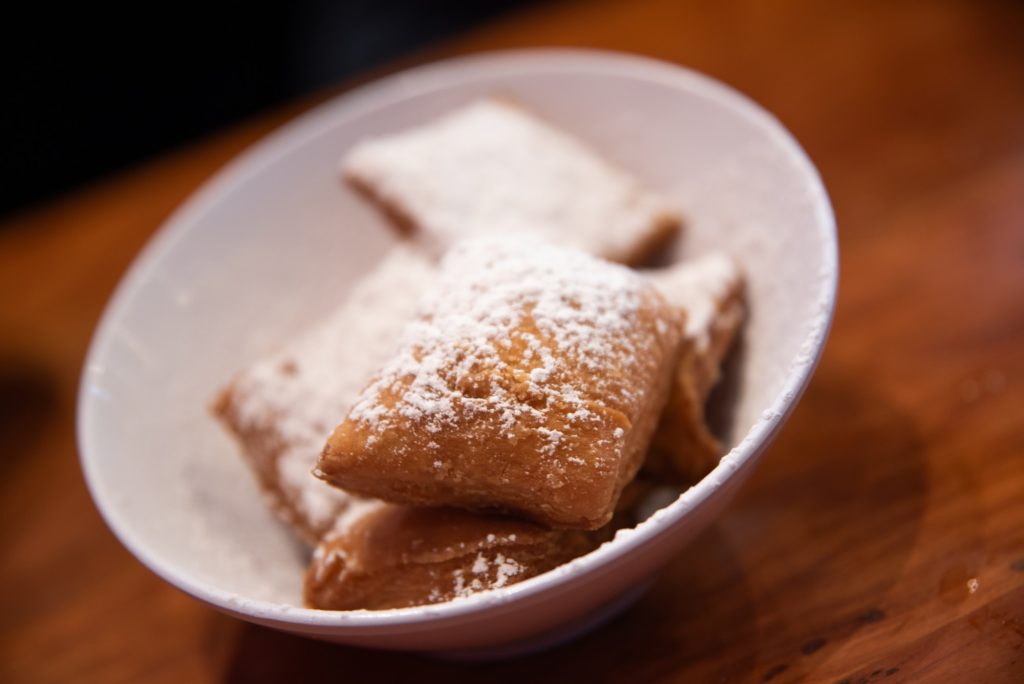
x=396, y=556
x=382, y=555
x=282, y=408
x=530, y=383
x=490, y=167
x=710, y=291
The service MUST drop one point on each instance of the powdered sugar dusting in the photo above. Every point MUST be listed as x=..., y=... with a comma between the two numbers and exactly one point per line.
x=698, y=287
x=556, y=305
x=487, y=574
x=490, y=167
x=305, y=389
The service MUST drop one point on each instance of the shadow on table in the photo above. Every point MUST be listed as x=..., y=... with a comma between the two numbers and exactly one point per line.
x=828, y=524
x=29, y=405
x=798, y=564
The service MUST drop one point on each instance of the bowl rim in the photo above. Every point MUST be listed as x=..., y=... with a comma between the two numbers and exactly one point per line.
x=380, y=93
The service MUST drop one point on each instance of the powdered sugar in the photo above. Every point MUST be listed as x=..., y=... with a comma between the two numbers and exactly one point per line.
x=487, y=574
x=305, y=389
x=506, y=568
x=698, y=287
x=557, y=305
x=492, y=168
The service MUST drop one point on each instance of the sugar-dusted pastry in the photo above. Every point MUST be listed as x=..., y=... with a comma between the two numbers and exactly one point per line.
x=393, y=556
x=282, y=408
x=530, y=383
x=492, y=167
x=382, y=555
x=710, y=291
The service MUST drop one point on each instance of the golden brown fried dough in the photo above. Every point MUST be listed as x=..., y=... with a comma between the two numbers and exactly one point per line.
x=282, y=409
x=396, y=556
x=492, y=168
x=530, y=384
x=710, y=291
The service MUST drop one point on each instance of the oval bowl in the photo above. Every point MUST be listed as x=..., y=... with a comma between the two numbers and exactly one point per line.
x=273, y=241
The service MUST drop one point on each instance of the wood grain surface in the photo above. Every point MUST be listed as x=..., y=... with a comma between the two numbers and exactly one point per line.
x=882, y=539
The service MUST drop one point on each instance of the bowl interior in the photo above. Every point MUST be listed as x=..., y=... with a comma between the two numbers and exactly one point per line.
x=274, y=241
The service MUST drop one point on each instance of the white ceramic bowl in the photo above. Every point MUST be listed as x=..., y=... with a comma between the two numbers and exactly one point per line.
x=274, y=240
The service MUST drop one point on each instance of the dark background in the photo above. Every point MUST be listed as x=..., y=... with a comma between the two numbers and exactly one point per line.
x=89, y=90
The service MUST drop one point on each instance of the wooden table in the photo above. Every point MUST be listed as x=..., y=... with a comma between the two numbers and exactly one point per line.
x=881, y=540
